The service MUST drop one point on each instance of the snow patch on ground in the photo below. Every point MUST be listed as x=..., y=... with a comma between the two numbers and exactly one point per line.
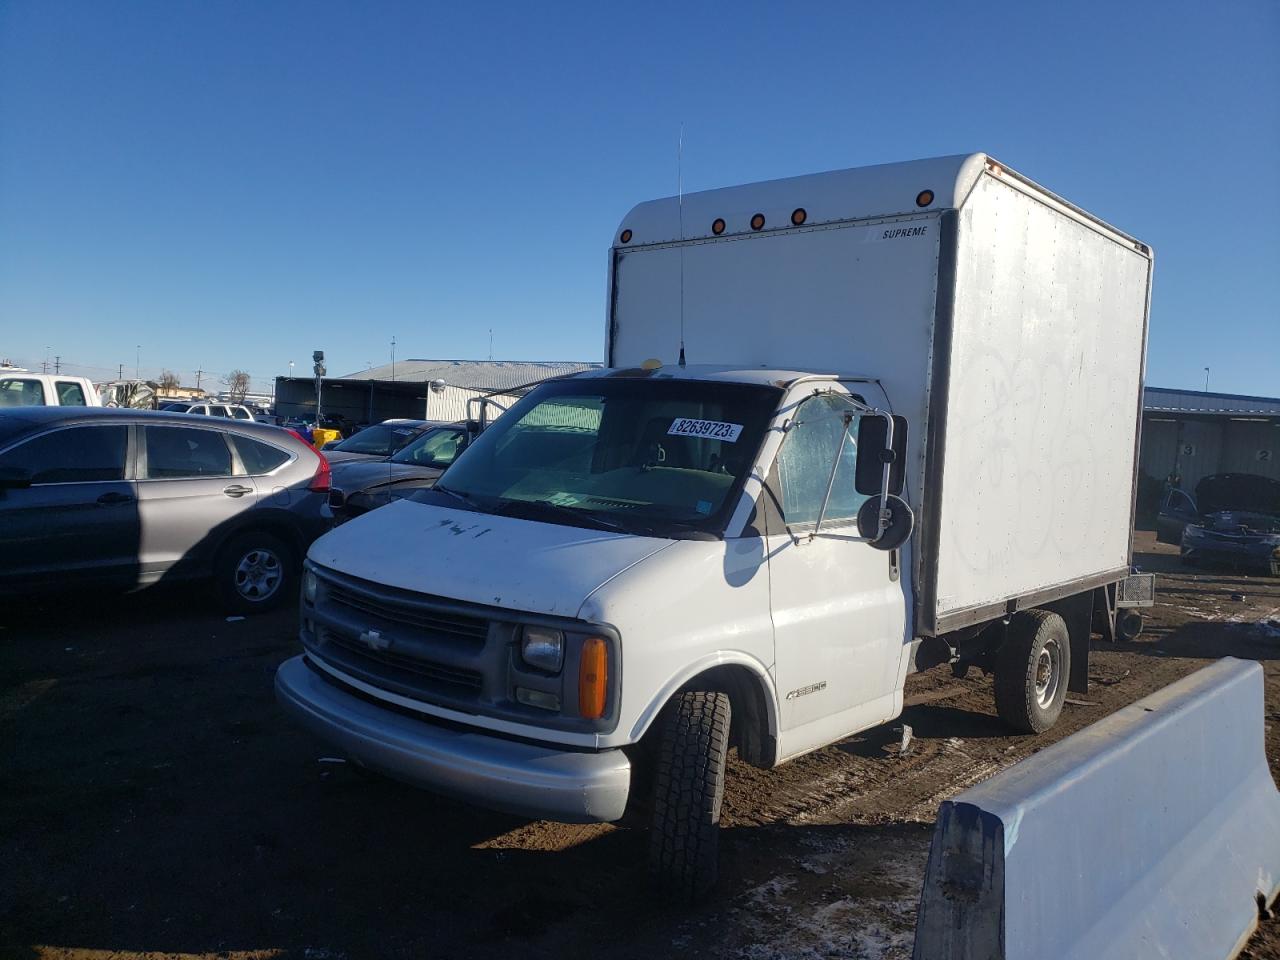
x=876, y=921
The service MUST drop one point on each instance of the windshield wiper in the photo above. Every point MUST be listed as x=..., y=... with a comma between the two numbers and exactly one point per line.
x=505, y=508
x=464, y=497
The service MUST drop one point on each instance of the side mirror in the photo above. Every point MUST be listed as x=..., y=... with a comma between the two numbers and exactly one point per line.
x=887, y=530
x=14, y=478
x=874, y=452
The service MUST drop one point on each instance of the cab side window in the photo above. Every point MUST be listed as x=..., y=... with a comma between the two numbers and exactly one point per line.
x=805, y=460
x=70, y=394
x=181, y=452
x=73, y=455
x=16, y=392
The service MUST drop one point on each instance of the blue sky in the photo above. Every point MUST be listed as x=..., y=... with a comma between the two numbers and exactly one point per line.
x=236, y=184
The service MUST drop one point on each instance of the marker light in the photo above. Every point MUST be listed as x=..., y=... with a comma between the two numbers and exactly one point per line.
x=718, y=226
x=626, y=236
x=798, y=216
x=757, y=222
x=924, y=198
x=593, y=678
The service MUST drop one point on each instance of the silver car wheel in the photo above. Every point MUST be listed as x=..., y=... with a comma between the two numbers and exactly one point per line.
x=258, y=574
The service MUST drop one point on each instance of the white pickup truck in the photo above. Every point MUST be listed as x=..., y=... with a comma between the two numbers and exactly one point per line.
x=19, y=388
x=852, y=425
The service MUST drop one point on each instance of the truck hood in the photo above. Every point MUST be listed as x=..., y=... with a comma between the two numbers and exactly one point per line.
x=477, y=557
x=1242, y=492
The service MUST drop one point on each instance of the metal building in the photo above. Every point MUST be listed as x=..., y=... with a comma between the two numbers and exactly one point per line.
x=418, y=389
x=1187, y=434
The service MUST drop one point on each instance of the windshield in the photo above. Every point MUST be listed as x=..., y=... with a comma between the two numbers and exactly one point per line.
x=649, y=456
x=176, y=407
x=435, y=448
x=380, y=440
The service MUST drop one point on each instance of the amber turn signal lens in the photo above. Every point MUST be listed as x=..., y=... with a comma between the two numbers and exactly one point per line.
x=757, y=222
x=924, y=198
x=718, y=227
x=626, y=236
x=798, y=216
x=593, y=678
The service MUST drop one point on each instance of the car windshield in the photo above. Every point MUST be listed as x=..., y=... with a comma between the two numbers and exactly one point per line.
x=380, y=440
x=176, y=407
x=435, y=448
x=651, y=456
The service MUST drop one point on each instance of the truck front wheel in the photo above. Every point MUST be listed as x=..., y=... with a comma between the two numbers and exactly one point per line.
x=1031, y=670
x=684, y=835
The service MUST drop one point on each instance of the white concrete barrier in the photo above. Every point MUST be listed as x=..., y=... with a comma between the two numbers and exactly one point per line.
x=1154, y=833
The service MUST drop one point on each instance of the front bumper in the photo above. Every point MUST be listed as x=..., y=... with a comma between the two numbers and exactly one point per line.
x=1246, y=553
x=515, y=777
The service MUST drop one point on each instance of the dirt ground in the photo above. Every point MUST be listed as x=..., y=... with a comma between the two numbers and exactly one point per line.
x=154, y=802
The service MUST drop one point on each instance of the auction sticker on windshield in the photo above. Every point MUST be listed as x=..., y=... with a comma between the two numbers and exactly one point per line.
x=710, y=429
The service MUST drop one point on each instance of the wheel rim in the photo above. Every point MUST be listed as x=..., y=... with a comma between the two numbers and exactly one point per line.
x=258, y=574
x=1048, y=672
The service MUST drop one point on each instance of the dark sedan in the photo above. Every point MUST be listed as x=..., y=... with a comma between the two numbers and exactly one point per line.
x=126, y=498
x=362, y=485
x=1233, y=518
x=379, y=441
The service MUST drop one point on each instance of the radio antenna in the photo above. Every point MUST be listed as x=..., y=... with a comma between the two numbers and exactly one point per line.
x=680, y=214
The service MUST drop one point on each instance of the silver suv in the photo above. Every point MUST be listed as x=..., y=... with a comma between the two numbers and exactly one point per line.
x=127, y=498
x=232, y=411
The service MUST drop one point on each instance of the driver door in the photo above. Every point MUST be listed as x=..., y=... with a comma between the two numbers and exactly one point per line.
x=837, y=603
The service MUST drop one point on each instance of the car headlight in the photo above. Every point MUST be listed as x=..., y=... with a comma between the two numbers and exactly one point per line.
x=543, y=648
x=310, y=583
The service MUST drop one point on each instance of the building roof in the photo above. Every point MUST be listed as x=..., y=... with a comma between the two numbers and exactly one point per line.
x=473, y=374
x=1166, y=400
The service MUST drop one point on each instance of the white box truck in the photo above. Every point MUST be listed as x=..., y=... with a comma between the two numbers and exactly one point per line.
x=851, y=425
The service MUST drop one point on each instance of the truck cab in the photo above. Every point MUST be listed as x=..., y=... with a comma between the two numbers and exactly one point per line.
x=749, y=527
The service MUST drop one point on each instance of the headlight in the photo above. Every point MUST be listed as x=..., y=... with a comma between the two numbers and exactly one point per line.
x=543, y=648
x=309, y=585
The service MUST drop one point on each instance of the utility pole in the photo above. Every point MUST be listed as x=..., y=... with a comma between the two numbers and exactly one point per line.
x=57, y=365
x=137, y=359
x=1206, y=379
x=199, y=374
x=120, y=371
x=491, y=343
x=393, y=358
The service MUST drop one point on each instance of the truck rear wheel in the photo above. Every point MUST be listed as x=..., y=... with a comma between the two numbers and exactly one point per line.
x=1031, y=670
x=684, y=834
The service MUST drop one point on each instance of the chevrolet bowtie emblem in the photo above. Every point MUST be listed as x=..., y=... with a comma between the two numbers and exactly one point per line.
x=374, y=640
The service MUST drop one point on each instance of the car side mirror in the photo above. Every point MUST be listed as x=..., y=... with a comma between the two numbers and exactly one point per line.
x=875, y=449
x=14, y=478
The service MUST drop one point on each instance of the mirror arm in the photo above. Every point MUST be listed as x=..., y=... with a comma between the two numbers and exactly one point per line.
x=884, y=476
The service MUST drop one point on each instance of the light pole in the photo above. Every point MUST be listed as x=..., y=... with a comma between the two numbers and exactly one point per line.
x=1206, y=379
x=137, y=363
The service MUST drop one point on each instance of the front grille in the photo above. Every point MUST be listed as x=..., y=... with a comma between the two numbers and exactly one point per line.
x=465, y=681
x=471, y=630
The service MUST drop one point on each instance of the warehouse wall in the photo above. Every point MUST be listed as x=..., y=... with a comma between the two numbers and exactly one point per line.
x=1197, y=448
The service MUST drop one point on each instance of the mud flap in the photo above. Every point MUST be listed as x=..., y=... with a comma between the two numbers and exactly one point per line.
x=1153, y=833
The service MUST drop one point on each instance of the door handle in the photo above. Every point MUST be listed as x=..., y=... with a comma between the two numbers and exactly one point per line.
x=236, y=490
x=108, y=499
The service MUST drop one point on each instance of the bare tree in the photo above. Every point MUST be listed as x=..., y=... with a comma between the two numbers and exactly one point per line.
x=237, y=384
x=168, y=382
